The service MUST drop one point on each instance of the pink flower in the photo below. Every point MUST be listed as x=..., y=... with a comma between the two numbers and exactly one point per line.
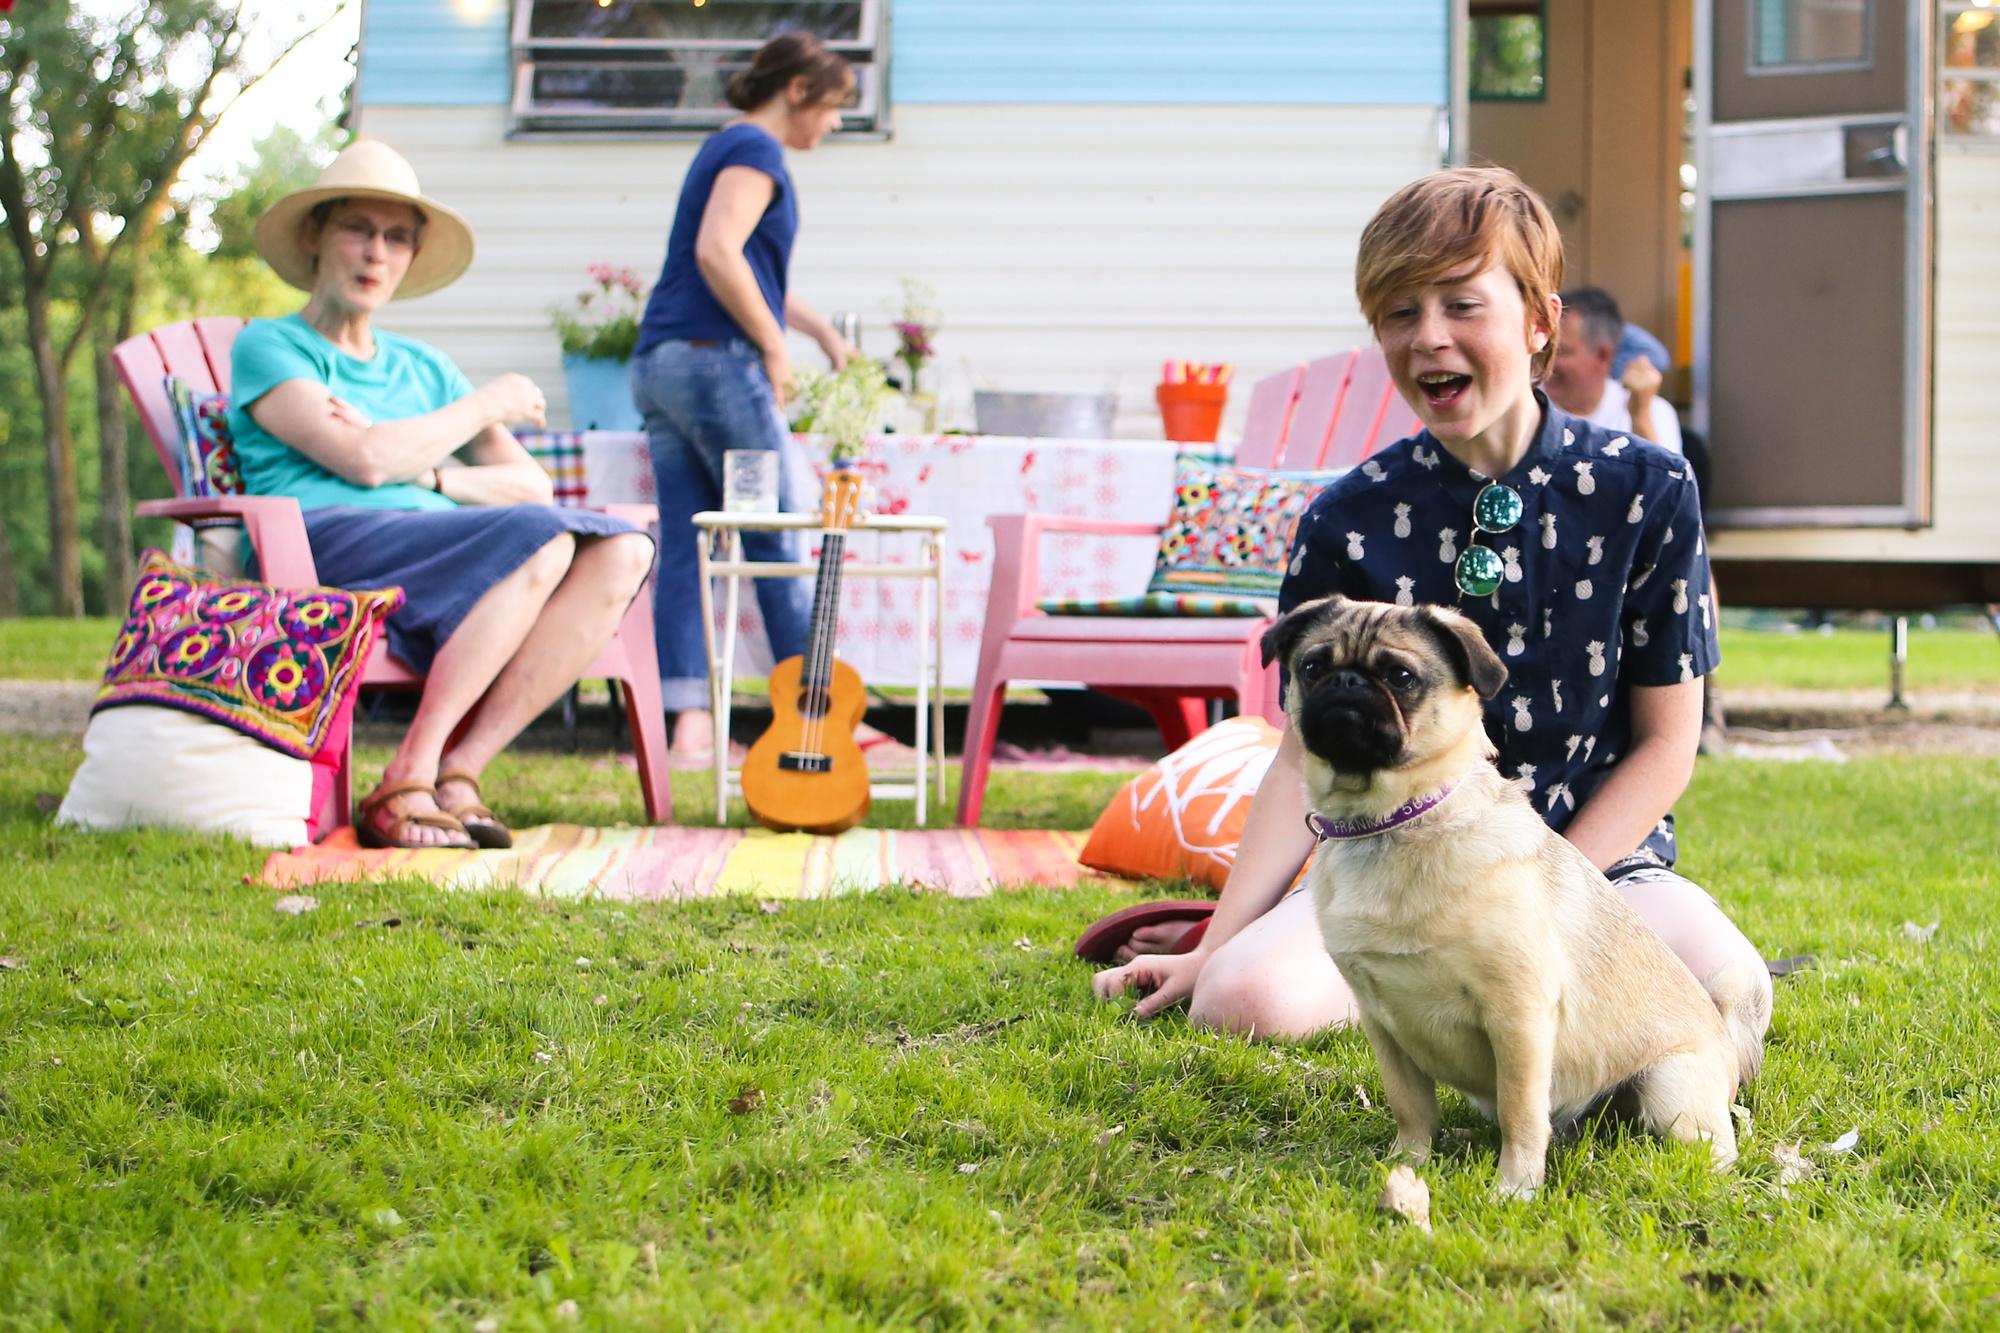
x=915, y=339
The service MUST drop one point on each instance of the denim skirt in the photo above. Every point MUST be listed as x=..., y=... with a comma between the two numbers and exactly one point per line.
x=444, y=560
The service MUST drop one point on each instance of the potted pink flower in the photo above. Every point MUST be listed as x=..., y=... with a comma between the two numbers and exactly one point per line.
x=598, y=330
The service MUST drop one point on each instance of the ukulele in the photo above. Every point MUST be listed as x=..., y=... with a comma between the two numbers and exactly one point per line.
x=806, y=773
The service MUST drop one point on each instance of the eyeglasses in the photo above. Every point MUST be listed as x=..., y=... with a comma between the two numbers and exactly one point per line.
x=361, y=231
x=1496, y=509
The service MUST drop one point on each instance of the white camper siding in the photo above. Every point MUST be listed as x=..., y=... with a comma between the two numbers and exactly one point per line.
x=1069, y=247
x=1965, y=434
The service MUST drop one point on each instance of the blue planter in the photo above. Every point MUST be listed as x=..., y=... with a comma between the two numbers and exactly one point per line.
x=600, y=394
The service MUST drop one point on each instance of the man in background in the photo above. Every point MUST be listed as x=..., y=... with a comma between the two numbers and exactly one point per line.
x=1580, y=378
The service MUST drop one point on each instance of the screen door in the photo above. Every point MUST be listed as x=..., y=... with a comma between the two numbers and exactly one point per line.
x=1812, y=236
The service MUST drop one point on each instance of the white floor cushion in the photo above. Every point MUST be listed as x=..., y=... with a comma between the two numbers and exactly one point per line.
x=145, y=766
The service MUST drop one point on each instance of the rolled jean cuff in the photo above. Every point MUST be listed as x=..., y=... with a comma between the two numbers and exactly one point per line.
x=680, y=696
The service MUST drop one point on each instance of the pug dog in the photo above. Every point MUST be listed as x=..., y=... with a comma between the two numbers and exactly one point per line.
x=1484, y=951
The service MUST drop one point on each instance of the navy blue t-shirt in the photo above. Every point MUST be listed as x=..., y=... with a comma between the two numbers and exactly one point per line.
x=1606, y=587
x=681, y=305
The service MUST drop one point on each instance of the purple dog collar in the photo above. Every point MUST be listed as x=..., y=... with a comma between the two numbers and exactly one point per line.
x=1324, y=829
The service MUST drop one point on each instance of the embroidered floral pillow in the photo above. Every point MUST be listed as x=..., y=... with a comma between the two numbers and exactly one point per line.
x=206, y=442
x=1231, y=528
x=273, y=663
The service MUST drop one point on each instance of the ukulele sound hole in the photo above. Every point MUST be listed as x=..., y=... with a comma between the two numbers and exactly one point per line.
x=814, y=700
x=801, y=761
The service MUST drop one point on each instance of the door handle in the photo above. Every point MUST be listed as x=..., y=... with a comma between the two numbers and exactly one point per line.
x=1878, y=150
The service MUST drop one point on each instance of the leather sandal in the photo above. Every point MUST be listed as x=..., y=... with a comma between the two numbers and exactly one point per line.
x=1101, y=941
x=395, y=830
x=481, y=825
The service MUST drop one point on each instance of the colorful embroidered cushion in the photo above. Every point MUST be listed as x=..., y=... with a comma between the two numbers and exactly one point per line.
x=209, y=449
x=1159, y=604
x=1183, y=817
x=274, y=663
x=1231, y=528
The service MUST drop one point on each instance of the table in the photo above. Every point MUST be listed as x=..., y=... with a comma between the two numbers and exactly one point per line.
x=959, y=478
x=720, y=557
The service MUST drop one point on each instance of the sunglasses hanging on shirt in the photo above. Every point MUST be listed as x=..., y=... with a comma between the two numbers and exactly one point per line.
x=1497, y=509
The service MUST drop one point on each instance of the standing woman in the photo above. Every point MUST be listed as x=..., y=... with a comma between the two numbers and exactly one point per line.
x=711, y=371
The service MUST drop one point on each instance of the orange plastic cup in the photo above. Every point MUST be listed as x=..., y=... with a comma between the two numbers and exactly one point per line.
x=1192, y=413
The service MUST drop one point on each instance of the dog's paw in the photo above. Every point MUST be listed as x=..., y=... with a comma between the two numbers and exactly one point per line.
x=1515, y=1191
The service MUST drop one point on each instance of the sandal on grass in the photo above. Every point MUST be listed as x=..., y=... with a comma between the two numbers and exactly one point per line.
x=380, y=826
x=481, y=825
x=1101, y=941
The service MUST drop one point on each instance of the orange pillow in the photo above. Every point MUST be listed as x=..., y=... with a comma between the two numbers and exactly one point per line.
x=1184, y=815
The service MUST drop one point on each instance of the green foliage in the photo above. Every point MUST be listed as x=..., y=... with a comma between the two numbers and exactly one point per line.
x=602, y=321
x=845, y=407
x=103, y=105
x=414, y=1107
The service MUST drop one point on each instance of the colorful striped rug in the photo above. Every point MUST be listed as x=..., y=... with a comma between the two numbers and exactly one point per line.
x=639, y=864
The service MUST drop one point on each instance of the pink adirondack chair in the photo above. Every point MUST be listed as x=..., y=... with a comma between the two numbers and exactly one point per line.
x=1169, y=666
x=197, y=352
x=1347, y=409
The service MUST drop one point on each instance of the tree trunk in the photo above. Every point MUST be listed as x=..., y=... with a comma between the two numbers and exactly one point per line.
x=114, y=493
x=10, y=576
x=65, y=529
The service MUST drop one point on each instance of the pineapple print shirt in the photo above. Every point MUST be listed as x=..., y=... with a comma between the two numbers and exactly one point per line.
x=1605, y=587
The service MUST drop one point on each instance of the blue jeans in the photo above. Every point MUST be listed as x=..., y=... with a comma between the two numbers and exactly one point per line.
x=698, y=402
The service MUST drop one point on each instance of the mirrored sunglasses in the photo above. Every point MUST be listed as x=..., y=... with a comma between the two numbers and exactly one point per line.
x=1496, y=509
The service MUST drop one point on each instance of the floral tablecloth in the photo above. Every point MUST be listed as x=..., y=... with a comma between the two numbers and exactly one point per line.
x=960, y=478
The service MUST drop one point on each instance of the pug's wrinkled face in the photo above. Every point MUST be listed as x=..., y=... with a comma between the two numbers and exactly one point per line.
x=1377, y=686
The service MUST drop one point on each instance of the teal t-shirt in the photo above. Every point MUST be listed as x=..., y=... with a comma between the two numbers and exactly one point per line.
x=405, y=378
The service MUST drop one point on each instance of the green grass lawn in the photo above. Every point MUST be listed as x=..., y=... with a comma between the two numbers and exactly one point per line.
x=414, y=1108
x=1845, y=659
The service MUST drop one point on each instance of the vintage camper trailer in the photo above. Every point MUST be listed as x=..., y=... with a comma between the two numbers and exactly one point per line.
x=1801, y=195
x=1089, y=186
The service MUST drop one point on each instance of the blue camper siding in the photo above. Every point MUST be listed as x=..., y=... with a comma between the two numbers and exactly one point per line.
x=1133, y=52
x=1067, y=52
x=433, y=53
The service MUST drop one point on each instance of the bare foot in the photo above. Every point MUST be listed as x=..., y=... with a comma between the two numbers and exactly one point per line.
x=1159, y=938
x=694, y=732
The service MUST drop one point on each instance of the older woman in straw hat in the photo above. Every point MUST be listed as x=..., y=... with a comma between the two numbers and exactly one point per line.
x=509, y=596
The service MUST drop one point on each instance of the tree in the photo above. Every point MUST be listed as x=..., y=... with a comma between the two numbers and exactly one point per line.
x=102, y=111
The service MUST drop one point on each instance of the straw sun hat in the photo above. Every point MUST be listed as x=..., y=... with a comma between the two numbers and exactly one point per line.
x=367, y=169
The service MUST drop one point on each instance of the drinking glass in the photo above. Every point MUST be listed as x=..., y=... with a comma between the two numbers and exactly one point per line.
x=750, y=481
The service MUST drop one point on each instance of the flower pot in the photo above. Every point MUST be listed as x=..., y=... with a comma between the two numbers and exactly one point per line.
x=1192, y=412
x=600, y=394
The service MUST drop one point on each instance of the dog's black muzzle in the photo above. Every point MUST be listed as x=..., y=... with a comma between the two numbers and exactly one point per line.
x=1350, y=721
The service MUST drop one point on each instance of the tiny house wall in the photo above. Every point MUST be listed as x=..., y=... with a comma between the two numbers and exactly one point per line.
x=1089, y=187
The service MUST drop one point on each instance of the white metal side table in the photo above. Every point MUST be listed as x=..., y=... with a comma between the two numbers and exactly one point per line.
x=723, y=568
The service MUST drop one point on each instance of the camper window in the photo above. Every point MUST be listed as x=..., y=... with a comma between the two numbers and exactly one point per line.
x=1969, y=73
x=653, y=66
x=1507, y=57
x=1788, y=34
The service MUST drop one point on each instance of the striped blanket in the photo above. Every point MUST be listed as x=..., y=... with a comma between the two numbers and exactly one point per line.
x=639, y=864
